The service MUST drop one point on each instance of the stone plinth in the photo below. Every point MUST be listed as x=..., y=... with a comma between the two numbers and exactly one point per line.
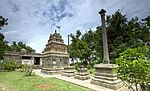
x=69, y=71
x=52, y=71
x=82, y=74
x=105, y=76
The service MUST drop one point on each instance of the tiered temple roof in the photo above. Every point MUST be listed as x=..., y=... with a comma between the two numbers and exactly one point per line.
x=55, y=44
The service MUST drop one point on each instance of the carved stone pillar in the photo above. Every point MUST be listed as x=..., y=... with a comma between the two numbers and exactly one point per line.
x=104, y=73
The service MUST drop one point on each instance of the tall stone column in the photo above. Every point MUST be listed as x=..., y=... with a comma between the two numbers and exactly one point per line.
x=104, y=34
x=104, y=73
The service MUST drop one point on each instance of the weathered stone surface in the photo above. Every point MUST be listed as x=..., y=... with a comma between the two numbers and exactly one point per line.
x=18, y=58
x=55, y=53
x=82, y=74
x=69, y=71
x=105, y=76
x=52, y=71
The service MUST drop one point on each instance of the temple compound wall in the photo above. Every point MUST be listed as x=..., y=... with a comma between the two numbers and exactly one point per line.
x=24, y=58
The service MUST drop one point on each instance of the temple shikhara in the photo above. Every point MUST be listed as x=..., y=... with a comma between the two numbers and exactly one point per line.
x=55, y=53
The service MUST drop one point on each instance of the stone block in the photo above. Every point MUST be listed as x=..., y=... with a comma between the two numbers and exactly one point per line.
x=69, y=71
x=82, y=74
x=106, y=77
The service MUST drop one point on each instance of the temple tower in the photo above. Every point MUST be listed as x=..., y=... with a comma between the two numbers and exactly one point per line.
x=55, y=53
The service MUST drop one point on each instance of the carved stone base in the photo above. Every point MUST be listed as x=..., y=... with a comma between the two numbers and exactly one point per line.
x=52, y=71
x=82, y=74
x=105, y=76
x=69, y=71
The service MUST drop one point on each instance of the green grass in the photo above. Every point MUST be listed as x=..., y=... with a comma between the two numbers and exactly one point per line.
x=17, y=81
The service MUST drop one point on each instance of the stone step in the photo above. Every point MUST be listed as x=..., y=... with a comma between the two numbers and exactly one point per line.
x=68, y=74
x=82, y=74
x=107, y=85
x=107, y=81
x=106, y=78
x=81, y=77
x=69, y=71
x=105, y=74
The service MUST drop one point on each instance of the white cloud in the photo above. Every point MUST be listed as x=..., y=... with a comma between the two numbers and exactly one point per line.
x=30, y=20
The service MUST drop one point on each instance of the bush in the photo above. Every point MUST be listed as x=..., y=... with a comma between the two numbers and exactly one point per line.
x=89, y=66
x=9, y=65
x=1, y=65
x=28, y=70
x=134, y=67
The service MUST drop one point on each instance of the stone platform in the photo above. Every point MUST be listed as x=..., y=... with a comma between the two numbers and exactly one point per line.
x=52, y=71
x=106, y=77
x=69, y=71
x=82, y=74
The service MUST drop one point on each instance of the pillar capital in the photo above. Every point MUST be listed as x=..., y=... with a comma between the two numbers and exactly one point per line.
x=102, y=12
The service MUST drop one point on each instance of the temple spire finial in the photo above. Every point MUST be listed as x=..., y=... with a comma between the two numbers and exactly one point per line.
x=55, y=31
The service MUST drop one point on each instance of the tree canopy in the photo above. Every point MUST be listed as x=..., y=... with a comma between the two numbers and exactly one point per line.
x=121, y=32
x=17, y=46
x=3, y=22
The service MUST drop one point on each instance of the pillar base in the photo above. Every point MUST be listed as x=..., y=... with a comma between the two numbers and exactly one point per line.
x=82, y=74
x=105, y=76
x=52, y=71
x=69, y=71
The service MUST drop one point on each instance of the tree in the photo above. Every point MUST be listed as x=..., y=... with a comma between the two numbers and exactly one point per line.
x=79, y=48
x=20, y=45
x=1, y=46
x=134, y=67
x=3, y=21
x=122, y=34
x=89, y=38
x=73, y=51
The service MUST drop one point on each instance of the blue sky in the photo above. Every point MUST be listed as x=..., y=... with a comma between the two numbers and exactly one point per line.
x=30, y=21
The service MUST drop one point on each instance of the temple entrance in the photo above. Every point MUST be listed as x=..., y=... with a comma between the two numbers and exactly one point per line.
x=36, y=60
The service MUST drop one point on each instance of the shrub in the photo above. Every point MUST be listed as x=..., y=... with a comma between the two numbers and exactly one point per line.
x=134, y=67
x=1, y=65
x=77, y=65
x=28, y=70
x=89, y=66
x=9, y=65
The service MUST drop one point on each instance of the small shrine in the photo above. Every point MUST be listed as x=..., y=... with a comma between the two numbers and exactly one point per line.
x=55, y=53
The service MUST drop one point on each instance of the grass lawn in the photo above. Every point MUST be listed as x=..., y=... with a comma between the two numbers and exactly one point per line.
x=17, y=81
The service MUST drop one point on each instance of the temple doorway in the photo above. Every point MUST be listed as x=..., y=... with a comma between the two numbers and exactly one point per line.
x=36, y=60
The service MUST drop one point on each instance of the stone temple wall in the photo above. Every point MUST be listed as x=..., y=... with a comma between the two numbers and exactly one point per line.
x=54, y=62
x=13, y=56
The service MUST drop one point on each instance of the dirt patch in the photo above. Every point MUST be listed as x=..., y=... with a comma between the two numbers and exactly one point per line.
x=44, y=86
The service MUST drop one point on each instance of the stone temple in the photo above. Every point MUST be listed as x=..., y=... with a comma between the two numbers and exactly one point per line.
x=55, y=53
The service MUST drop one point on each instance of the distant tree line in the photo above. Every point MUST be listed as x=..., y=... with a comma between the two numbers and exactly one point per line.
x=121, y=32
x=15, y=46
